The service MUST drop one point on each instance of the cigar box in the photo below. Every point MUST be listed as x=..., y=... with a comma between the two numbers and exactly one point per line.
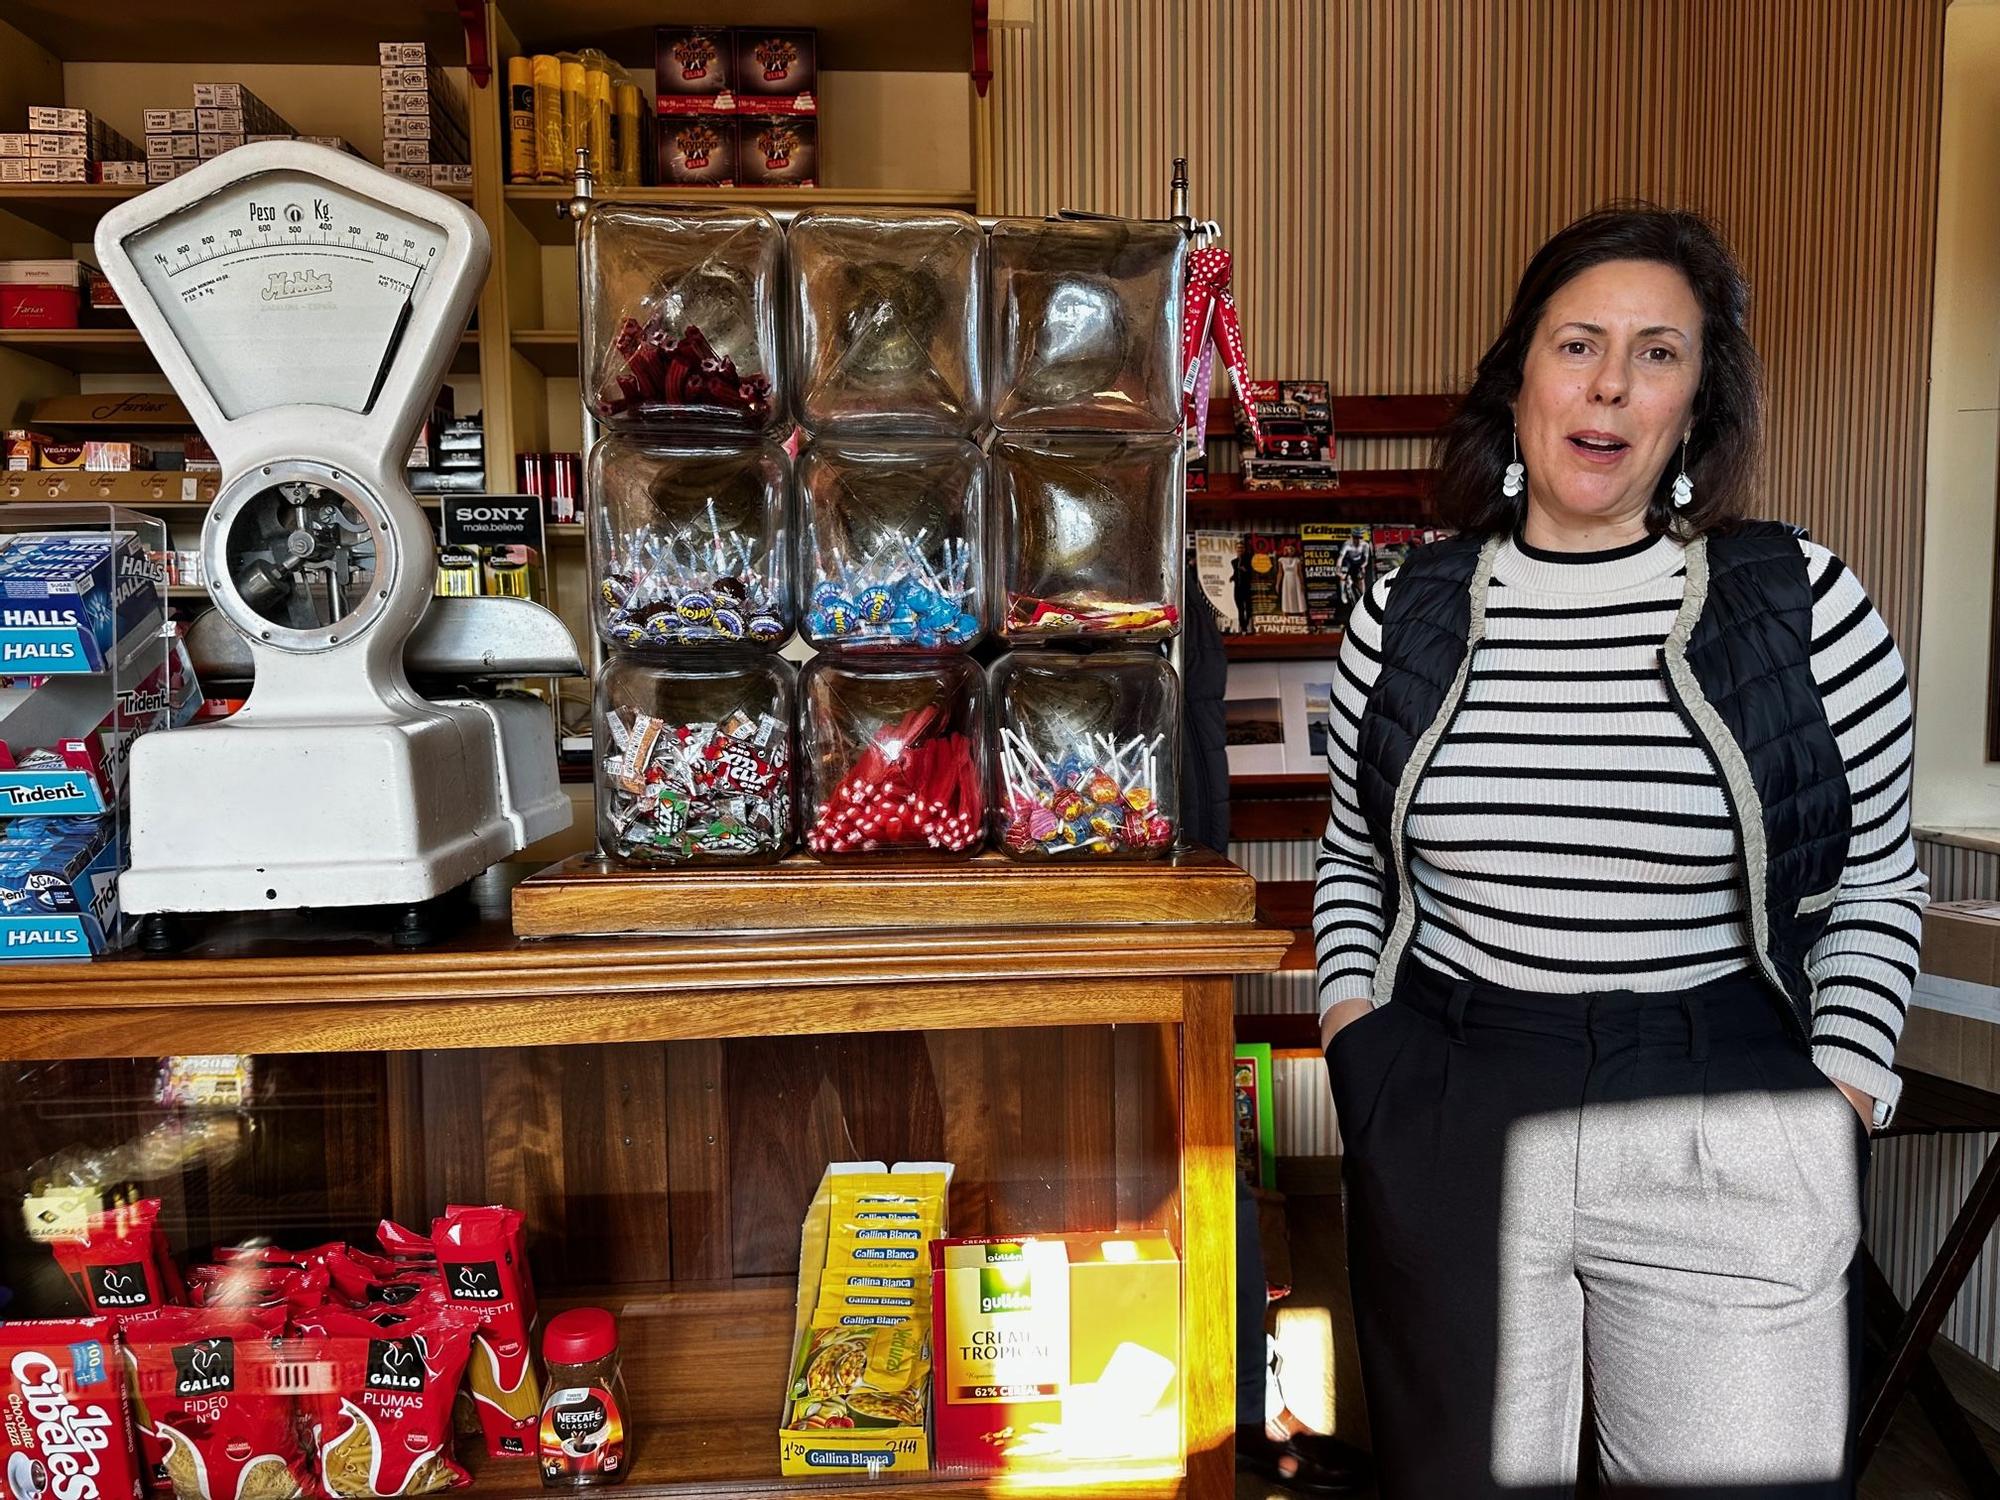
x=14, y=143
x=116, y=458
x=170, y=121
x=777, y=151
x=52, y=117
x=698, y=152
x=776, y=71
x=691, y=70
x=41, y=293
x=22, y=446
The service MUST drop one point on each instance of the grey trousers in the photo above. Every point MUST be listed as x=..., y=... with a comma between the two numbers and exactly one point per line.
x=1646, y=1208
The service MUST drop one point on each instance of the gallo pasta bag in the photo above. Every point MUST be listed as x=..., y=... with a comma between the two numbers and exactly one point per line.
x=481, y=1254
x=215, y=1386
x=380, y=1413
x=120, y=1263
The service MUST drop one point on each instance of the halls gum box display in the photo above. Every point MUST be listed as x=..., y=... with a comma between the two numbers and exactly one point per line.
x=65, y=1429
x=67, y=598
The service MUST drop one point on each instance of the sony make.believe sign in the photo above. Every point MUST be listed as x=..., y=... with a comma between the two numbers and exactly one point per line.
x=493, y=521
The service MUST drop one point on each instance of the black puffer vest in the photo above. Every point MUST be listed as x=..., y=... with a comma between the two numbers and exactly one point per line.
x=1738, y=666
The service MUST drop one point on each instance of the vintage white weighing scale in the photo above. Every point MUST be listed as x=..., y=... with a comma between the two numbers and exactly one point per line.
x=305, y=306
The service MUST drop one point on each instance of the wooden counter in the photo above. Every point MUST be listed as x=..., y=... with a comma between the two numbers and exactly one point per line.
x=660, y=1107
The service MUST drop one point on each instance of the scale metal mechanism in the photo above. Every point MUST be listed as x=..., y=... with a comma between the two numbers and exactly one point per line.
x=305, y=306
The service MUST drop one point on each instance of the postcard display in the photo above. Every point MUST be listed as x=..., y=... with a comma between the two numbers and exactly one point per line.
x=985, y=450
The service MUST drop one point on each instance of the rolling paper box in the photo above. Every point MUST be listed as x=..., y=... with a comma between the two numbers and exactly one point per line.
x=1055, y=1351
x=837, y=1450
x=67, y=598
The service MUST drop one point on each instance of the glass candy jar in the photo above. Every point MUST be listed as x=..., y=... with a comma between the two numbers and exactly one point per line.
x=688, y=544
x=887, y=325
x=1086, y=318
x=680, y=317
x=890, y=544
x=893, y=755
x=1089, y=750
x=1090, y=537
x=694, y=758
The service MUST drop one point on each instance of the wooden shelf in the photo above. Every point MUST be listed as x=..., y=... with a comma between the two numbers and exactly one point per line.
x=888, y=35
x=1288, y=904
x=1287, y=784
x=106, y=351
x=72, y=209
x=141, y=489
x=550, y=350
x=215, y=32
x=705, y=1368
x=1282, y=647
x=535, y=206
x=1391, y=496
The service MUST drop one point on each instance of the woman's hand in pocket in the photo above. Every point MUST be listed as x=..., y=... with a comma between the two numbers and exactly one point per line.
x=1339, y=1017
x=1863, y=1105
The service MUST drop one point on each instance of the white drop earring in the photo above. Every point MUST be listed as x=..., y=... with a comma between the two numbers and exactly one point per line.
x=1683, y=485
x=1516, y=476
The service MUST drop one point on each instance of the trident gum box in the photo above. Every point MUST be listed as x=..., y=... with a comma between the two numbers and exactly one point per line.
x=65, y=1430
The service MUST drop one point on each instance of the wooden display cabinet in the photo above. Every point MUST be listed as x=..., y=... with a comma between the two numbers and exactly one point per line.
x=661, y=1109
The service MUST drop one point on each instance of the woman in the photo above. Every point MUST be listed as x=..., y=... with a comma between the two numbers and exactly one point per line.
x=1617, y=917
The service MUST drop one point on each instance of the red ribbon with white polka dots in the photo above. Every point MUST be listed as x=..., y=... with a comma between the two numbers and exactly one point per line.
x=1210, y=323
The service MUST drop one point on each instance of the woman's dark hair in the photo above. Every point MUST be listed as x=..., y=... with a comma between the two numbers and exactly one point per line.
x=1475, y=446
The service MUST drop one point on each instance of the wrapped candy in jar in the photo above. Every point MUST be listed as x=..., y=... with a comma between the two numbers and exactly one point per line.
x=1090, y=533
x=887, y=311
x=680, y=317
x=1089, y=755
x=890, y=544
x=694, y=758
x=892, y=755
x=1086, y=325
x=688, y=544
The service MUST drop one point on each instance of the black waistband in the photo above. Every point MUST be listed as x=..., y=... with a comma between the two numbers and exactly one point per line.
x=1735, y=1007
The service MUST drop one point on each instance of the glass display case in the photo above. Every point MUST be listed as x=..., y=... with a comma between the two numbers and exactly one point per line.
x=694, y=757
x=888, y=319
x=892, y=755
x=689, y=542
x=892, y=544
x=1089, y=751
x=681, y=322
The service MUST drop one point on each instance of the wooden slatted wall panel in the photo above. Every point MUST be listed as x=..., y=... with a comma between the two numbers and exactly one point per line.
x=1384, y=168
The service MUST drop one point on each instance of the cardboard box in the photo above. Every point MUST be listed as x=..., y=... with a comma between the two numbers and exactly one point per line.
x=396, y=152
x=59, y=147
x=52, y=117
x=776, y=70
x=115, y=409
x=1057, y=1352
x=403, y=54
x=696, y=152
x=58, y=171
x=219, y=121
x=418, y=171
x=890, y=1448
x=116, y=458
x=123, y=173
x=14, y=168
x=777, y=151
x=41, y=293
x=68, y=1374
x=162, y=171
x=691, y=70
x=170, y=121
x=451, y=174
x=1962, y=941
x=15, y=143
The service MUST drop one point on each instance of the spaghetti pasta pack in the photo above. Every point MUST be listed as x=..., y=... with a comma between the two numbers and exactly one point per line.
x=482, y=1256
x=380, y=1411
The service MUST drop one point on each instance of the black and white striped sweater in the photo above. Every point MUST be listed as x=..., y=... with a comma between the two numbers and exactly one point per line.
x=1570, y=835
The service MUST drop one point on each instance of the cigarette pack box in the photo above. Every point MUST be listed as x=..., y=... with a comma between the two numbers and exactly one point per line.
x=14, y=143
x=403, y=54
x=219, y=96
x=67, y=1381
x=219, y=121
x=53, y=117
x=172, y=147
x=777, y=151
x=450, y=174
x=123, y=173
x=167, y=121
x=430, y=127
x=116, y=458
x=318, y=140
x=45, y=144
x=14, y=168
x=414, y=171
x=42, y=170
x=161, y=171
x=777, y=71
x=698, y=152
x=406, y=101
x=398, y=152
x=212, y=146
x=691, y=70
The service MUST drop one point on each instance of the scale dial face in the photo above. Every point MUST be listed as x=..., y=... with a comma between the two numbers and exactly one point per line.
x=288, y=290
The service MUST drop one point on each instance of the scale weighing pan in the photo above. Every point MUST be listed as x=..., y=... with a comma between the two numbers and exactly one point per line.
x=305, y=306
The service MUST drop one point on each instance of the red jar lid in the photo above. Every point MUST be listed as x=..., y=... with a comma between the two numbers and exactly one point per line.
x=580, y=1336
